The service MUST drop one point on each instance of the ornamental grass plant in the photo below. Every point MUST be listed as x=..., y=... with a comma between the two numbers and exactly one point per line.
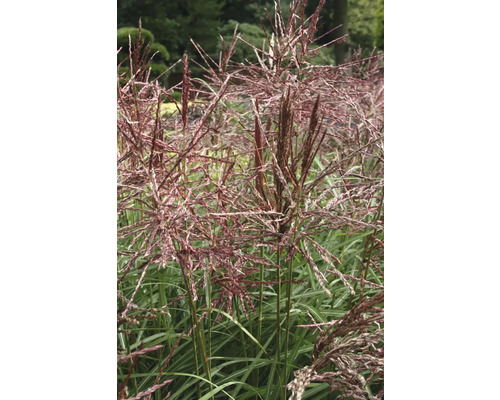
x=250, y=224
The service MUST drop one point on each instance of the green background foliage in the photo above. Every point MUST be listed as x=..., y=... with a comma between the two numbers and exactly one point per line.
x=249, y=32
x=173, y=23
x=379, y=25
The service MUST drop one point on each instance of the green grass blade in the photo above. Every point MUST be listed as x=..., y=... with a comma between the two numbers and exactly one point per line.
x=228, y=316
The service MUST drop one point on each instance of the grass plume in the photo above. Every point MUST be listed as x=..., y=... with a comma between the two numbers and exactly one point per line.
x=253, y=208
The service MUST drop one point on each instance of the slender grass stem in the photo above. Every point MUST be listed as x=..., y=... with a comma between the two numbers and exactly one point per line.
x=242, y=335
x=287, y=324
x=192, y=306
x=261, y=299
x=195, y=354
x=131, y=362
x=278, y=320
x=209, y=305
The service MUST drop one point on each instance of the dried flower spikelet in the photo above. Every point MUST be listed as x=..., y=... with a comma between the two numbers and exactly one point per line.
x=271, y=52
x=259, y=154
x=310, y=136
x=327, y=256
x=283, y=151
x=301, y=382
x=185, y=91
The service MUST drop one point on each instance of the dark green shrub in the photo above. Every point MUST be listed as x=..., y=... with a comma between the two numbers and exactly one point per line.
x=122, y=40
x=158, y=52
x=157, y=70
x=123, y=34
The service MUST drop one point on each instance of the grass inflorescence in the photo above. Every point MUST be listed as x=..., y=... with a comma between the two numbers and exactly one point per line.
x=250, y=225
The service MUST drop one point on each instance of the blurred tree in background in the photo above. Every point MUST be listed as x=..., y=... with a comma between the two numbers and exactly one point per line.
x=379, y=25
x=248, y=11
x=154, y=17
x=174, y=22
x=362, y=20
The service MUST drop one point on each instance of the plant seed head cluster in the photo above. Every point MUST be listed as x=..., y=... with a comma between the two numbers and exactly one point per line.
x=253, y=159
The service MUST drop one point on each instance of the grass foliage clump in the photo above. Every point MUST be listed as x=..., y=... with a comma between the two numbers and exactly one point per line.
x=250, y=225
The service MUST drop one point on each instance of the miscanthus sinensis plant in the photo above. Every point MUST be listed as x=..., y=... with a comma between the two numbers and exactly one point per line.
x=250, y=225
